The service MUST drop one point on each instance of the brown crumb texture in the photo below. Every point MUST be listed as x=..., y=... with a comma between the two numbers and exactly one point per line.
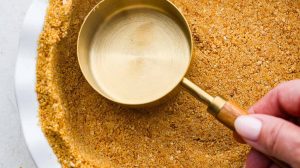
x=242, y=49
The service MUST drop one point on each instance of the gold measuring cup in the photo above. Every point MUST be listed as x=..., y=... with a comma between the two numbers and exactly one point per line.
x=121, y=38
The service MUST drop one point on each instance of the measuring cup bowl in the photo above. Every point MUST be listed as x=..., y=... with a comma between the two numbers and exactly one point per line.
x=109, y=13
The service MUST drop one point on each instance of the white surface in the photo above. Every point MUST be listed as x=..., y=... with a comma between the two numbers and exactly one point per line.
x=13, y=150
x=25, y=77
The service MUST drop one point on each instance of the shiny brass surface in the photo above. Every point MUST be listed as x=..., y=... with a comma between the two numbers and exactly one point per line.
x=216, y=105
x=197, y=92
x=135, y=52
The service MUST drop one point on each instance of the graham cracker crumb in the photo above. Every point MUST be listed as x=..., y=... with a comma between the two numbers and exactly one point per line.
x=242, y=49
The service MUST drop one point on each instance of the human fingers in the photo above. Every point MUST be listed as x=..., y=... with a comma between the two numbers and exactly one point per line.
x=283, y=100
x=271, y=136
x=256, y=159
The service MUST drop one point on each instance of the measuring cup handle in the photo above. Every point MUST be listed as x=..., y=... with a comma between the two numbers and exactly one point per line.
x=228, y=114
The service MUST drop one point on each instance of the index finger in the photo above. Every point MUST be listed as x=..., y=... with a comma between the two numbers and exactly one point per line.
x=282, y=101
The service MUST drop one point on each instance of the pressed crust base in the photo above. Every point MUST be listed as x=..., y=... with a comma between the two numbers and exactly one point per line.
x=242, y=49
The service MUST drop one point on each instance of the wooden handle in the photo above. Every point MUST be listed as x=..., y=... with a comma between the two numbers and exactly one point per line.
x=228, y=114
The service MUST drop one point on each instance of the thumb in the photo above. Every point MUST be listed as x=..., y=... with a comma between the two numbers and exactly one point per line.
x=272, y=136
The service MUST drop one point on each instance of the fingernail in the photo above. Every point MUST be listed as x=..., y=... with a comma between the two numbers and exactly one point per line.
x=248, y=127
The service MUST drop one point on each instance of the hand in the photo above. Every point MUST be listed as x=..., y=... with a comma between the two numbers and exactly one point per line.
x=272, y=127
